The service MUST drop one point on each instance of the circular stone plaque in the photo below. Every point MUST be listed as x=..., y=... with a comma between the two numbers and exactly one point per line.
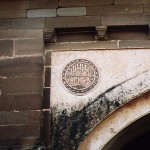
x=80, y=76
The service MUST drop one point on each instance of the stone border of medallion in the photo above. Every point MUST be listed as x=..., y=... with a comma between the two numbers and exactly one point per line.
x=80, y=68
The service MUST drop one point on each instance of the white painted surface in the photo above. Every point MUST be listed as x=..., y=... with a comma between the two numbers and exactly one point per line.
x=74, y=11
x=41, y=13
x=115, y=66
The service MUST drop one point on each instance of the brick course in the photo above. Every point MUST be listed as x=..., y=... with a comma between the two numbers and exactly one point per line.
x=83, y=21
x=114, y=9
x=35, y=4
x=6, y=47
x=29, y=46
x=28, y=23
x=22, y=85
x=5, y=24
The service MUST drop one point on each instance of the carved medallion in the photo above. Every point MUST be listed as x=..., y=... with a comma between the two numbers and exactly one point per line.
x=80, y=76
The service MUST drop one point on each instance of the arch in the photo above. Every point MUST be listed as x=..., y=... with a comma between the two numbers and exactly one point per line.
x=75, y=128
x=117, y=127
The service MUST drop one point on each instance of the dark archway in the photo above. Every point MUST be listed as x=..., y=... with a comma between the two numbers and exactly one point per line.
x=134, y=136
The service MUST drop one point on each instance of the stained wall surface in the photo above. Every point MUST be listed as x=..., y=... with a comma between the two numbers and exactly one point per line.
x=25, y=60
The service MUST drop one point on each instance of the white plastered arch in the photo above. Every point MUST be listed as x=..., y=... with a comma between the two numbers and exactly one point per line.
x=115, y=122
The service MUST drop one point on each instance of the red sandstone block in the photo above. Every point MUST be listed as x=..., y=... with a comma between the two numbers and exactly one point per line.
x=14, y=5
x=127, y=1
x=83, y=21
x=79, y=3
x=6, y=47
x=22, y=85
x=13, y=14
x=137, y=19
x=28, y=23
x=114, y=9
x=29, y=46
x=34, y=4
x=146, y=8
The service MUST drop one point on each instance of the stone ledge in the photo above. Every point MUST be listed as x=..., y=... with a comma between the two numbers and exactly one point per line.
x=64, y=46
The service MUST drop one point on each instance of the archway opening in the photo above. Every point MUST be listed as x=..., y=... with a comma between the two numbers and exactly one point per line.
x=134, y=136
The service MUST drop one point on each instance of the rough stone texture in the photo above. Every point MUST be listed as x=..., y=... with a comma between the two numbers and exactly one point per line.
x=83, y=21
x=41, y=13
x=28, y=102
x=28, y=23
x=13, y=14
x=72, y=3
x=19, y=131
x=21, y=33
x=20, y=102
x=134, y=44
x=74, y=11
x=29, y=46
x=114, y=9
x=24, y=117
x=145, y=1
x=137, y=19
x=5, y=24
x=21, y=66
x=127, y=1
x=75, y=127
x=48, y=58
x=22, y=85
x=82, y=46
x=6, y=47
x=146, y=8
x=14, y=5
x=47, y=76
x=34, y=4
x=116, y=129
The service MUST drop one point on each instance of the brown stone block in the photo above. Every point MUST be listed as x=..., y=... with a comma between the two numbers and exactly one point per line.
x=46, y=128
x=7, y=103
x=82, y=46
x=34, y=4
x=47, y=76
x=14, y=5
x=114, y=9
x=28, y=102
x=19, y=131
x=145, y=1
x=134, y=44
x=4, y=24
x=48, y=58
x=46, y=98
x=99, y=2
x=137, y=19
x=24, y=117
x=13, y=14
x=6, y=47
x=29, y=46
x=21, y=66
x=127, y=1
x=19, y=142
x=83, y=21
x=22, y=85
x=79, y=3
x=146, y=8
x=21, y=33
x=72, y=3
x=28, y=23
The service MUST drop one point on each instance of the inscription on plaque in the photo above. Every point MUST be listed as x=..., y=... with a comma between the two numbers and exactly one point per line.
x=80, y=76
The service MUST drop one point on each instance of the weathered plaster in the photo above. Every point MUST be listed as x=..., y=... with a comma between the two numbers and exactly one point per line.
x=124, y=75
x=114, y=66
x=116, y=122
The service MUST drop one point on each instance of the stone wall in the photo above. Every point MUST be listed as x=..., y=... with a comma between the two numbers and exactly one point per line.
x=25, y=66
